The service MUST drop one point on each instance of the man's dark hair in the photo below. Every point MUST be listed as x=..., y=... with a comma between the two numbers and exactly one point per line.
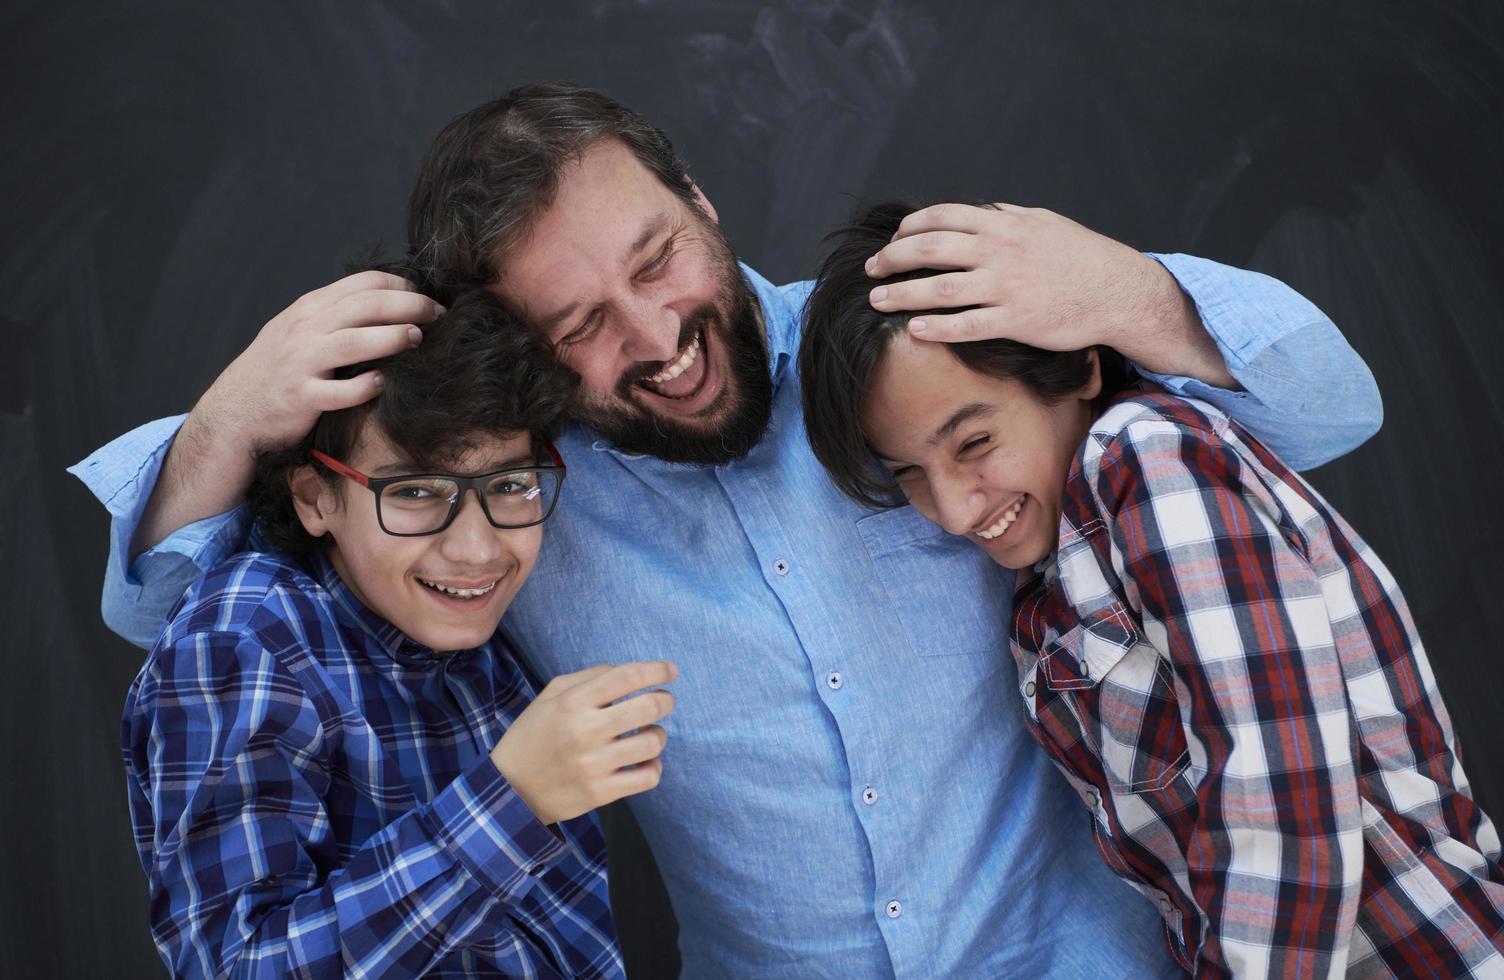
x=845, y=340
x=479, y=372
x=493, y=169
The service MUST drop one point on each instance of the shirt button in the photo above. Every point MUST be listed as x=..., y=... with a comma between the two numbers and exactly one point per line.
x=1092, y=798
x=895, y=909
x=869, y=796
x=781, y=566
x=1029, y=689
x=833, y=680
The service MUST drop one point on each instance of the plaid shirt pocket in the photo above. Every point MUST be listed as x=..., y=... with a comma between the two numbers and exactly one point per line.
x=1126, y=689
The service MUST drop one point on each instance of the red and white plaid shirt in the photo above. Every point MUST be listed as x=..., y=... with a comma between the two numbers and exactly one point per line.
x=1233, y=683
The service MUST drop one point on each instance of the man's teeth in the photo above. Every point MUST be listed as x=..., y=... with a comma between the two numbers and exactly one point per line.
x=680, y=365
x=462, y=593
x=1006, y=521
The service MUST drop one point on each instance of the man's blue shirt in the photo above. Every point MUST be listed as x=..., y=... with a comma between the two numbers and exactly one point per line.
x=848, y=788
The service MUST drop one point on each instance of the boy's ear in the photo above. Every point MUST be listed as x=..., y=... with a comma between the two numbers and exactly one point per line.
x=312, y=499
x=1093, y=386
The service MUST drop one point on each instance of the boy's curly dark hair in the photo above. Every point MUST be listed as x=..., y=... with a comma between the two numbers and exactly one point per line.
x=478, y=372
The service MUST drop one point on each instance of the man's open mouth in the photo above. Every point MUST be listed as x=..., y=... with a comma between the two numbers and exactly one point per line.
x=682, y=377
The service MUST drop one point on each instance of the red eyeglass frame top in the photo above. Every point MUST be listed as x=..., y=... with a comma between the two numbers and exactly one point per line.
x=375, y=485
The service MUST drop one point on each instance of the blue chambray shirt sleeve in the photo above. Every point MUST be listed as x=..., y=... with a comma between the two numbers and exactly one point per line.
x=138, y=595
x=1306, y=394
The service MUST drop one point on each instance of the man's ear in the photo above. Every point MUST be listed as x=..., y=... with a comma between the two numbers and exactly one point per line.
x=702, y=201
x=313, y=499
x=1093, y=386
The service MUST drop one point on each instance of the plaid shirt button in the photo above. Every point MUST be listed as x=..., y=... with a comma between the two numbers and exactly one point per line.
x=1029, y=689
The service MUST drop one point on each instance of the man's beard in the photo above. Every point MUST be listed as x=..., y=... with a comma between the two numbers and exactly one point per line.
x=732, y=424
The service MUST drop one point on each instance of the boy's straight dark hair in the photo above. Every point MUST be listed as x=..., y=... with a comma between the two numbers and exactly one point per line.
x=845, y=340
x=478, y=372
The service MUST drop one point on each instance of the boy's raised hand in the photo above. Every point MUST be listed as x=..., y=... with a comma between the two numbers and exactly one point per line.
x=568, y=752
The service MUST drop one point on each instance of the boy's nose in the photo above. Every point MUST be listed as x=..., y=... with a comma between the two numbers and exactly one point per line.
x=471, y=539
x=959, y=507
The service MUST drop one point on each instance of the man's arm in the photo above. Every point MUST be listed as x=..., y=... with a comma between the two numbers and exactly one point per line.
x=1241, y=340
x=227, y=781
x=174, y=493
x=1275, y=855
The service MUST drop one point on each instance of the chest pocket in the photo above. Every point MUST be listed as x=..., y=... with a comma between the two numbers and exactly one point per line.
x=948, y=597
x=1124, y=695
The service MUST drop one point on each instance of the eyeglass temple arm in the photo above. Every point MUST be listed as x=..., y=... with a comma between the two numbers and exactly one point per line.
x=553, y=454
x=340, y=468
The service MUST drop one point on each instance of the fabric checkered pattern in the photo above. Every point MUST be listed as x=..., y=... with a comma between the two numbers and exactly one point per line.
x=313, y=796
x=1233, y=683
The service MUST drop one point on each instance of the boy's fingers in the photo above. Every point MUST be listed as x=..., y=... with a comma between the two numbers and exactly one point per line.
x=637, y=748
x=565, y=682
x=640, y=779
x=623, y=679
x=635, y=712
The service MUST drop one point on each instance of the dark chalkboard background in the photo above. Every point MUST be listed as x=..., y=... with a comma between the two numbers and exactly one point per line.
x=173, y=174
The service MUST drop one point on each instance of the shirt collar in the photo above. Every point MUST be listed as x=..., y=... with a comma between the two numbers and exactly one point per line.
x=388, y=638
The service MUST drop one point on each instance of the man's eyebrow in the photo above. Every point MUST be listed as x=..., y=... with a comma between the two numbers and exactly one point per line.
x=961, y=415
x=654, y=226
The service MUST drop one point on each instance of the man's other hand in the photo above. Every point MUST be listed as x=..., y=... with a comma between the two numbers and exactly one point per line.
x=1030, y=275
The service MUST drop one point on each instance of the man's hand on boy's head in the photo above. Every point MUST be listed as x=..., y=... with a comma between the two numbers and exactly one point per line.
x=1042, y=279
x=271, y=395
x=569, y=751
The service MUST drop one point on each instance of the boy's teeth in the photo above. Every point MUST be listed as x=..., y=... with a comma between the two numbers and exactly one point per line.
x=462, y=593
x=679, y=366
x=1006, y=521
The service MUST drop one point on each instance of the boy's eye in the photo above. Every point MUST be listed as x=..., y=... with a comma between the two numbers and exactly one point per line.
x=514, y=483
x=976, y=443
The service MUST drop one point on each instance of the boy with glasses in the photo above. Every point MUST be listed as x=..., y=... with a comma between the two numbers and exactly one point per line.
x=336, y=764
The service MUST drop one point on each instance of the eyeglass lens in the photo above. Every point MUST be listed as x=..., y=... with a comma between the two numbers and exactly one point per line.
x=422, y=504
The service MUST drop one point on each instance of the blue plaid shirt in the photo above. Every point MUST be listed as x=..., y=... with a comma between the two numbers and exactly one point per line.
x=313, y=795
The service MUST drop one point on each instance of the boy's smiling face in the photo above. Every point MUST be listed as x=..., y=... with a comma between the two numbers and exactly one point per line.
x=982, y=457
x=395, y=577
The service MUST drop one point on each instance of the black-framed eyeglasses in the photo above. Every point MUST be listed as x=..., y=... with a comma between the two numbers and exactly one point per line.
x=413, y=505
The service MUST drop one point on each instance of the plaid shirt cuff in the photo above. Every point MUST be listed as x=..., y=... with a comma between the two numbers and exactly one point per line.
x=484, y=823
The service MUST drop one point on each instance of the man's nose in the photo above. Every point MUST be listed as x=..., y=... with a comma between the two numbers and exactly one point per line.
x=470, y=539
x=650, y=332
x=958, y=504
